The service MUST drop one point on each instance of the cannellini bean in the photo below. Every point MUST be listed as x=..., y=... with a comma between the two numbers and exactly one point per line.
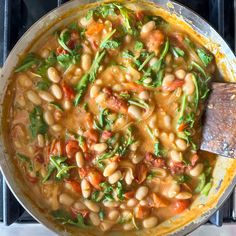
x=128, y=226
x=132, y=202
x=115, y=177
x=183, y=195
x=53, y=75
x=34, y=97
x=197, y=170
x=167, y=121
x=144, y=95
x=56, y=128
x=181, y=144
x=56, y=91
x=79, y=206
x=171, y=137
x=65, y=199
x=152, y=122
x=44, y=53
x=150, y=222
x=110, y=169
x=167, y=80
x=134, y=146
x=173, y=190
x=24, y=80
x=92, y=206
x=94, y=91
x=67, y=104
x=57, y=115
x=101, y=98
x=111, y=204
x=147, y=81
x=85, y=22
x=46, y=96
x=147, y=28
x=141, y=192
x=85, y=188
x=135, y=112
x=79, y=159
x=117, y=88
x=176, y=156
x=180, y=73
x=94, y=218
x=48, y=117
x=129, y=177
x=86, y=61
x=100, y=147
x=123, y=206
x=143, y=203
x=105, y=226
x=153, y=61
x=189, y=86
x=113, y=215
x=40, y=138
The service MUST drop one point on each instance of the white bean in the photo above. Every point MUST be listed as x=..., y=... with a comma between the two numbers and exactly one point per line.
x=46, y=96
x=150, y=222
x=141, y=192
x=153, y=61
x=40, y=138
x=110, y=169
x=152, y=122
x=173, y=190
x=67, y=104
x=53, y=75
x=115, y=177
x=147, y=28
x=105, y=226
x=167, y=80
x=85, y=188
x=184, y=195
x=113, y=215
x=48, y=117
x=79, y=206
x=134, y=146
x=132, y=202
x=180, y=73
x=197, y=170
x=65, y=199
x=100, y=147
x=79, y=159
x=94, y=91
x=86, y=61
x=135, y=112
x=34, y=97
x=111, y=204
x=56, y=91
x=56, y=128
x=143, y=203
x=128, y=226
x=94, y=218
x=129, y=177
x=123, y=206
x=167, y=121
x=176, y=156
x=101, y=98
x=144, y=95
x=24, y=80
x=92, y=206
x=181, y=144
x=189, y=86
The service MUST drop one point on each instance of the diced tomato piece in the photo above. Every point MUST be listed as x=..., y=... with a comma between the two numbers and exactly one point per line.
x=193, y=159
x=72, y=147
x=159, y=201
x=68, y=91
x=88, y=156
x=116, y=104
x=180, y=205
x=94, y=28
x=39, y=158
x=149, y=157
x=141, y=173
x=129, y=195
x=154, y=40
x=92, y=135
x=61, y=51
x=174, y=85
x=133, y=86
x=31, y=179
x=89, y=120
x=177, y=167
x=75, y=212
x=57, y=148
x=182, y=127
x=95, y=178
x=83, y=172
x=178, y=37
x=106, y=135
x=139, y=15
x=159, y=162
x=141, y=212
x=75, y=185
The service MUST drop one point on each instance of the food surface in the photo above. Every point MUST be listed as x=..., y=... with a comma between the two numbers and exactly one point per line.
x=105, y=121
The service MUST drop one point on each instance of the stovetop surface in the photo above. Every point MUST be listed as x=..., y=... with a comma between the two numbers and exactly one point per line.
x=16, y=16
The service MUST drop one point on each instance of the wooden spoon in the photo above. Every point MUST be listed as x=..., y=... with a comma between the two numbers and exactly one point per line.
x=219, y=121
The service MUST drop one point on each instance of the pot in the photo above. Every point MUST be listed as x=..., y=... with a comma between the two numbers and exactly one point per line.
x=224, y=173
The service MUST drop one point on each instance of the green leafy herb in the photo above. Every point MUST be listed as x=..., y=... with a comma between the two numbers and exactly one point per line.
x=85, y=106
x=43, y=84
x=151, y=175
x=107, y=155
x=160, y=22
x=205, y=191
x=104, y=122
x=65, y=218
x=138, y=46
x=57, y=106
x=201, y=183
x=180, y=179
x=63, y=39
x=148, y=58
x=25, y=159
x=95, y=196
x=30, y=60
x=138, y=102
x=111, y=44
x=204, y=56
x=189, y=43
x=120, y=190
x=37, y=123
x=101, y=214
x=177, y=52
x=107, y=190
x=199, y=68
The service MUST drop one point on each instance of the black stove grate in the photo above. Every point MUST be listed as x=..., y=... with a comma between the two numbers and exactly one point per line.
x=16, y=16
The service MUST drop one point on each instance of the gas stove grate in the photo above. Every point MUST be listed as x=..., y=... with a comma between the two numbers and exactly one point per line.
x=16, y=16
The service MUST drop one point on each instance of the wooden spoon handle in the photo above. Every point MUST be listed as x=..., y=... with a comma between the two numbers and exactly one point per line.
x=219, y=121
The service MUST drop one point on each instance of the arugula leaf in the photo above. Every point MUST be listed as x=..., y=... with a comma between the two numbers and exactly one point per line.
x=148, y=58
x=37, y=123
x=205, y=191
x=95, y=196
x=138, y=102
x=43, y=84
x=101, y=214
x=29, y=61
x=57, y=106
x=180, y=179
x=177, y=52
x=107, y=155
x=189, y=43
x=201, y=183
x=199, y=68
x=138, y=46
x=111, y=44
x=160, y=22
x=204, y=56
x=25, y=159
x=120, y=190
x=151, y=175
x=107, y=190
x=63, y=39
x=104, y=121
x=65, y=218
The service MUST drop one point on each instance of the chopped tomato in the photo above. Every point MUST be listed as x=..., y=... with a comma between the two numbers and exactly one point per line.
x=31, y=179
x=116, y=104
x=129, y=195
x=193, y=159
x=88, y=156
x=94, y=28
x=75, y=186
x=89, y=120
x=72, y=147
x=141, y=212
x=139, y=15
x=92, y=135
x=141, y=173
x=61, y=51
x=178, y=37
x=57, y=148
x=106, y=135
x=68, y=91
x=133, y=86
x=182, y=127
x=159, y=201
x=180, y=205
x=154, y=40
x=82, y=172
x=95, y=178
x=39, y=158
x=174, y=85
x=75, y=212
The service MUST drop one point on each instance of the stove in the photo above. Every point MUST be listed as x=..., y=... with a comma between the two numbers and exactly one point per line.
x=16, y=16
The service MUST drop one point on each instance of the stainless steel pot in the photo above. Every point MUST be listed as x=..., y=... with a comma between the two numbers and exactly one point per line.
x=225, y=169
